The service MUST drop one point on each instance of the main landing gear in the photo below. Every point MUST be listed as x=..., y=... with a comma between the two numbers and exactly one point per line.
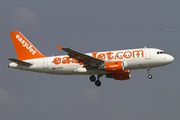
x=93, y=79
x=149, y=75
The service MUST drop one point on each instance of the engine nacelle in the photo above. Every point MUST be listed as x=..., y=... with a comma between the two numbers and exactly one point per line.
x=125, y=75
x=117, y=66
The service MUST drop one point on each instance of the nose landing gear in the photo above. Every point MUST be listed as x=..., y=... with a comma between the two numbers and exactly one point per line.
x=149, y=75
x=93, y=79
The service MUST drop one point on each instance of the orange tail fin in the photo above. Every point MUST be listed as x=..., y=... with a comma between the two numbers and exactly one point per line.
x=24, y=49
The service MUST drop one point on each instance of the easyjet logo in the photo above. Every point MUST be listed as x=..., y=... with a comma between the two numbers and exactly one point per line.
x=119, y=55
x=26, y=45
x=103, y=56
x=113, y=66
x=65, y=60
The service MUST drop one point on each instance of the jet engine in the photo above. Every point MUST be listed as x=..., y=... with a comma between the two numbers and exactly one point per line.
x=117, y=66
x=125, y=75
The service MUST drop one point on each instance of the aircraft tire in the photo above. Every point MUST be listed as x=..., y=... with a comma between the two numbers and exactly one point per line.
x=150, y=76
x=92, y=78
x=98, y=83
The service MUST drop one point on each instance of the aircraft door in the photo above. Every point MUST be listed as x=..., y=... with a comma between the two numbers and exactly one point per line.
x=45, y=63
x=147, y=53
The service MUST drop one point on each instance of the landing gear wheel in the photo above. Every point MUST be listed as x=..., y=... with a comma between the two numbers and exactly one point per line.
x=92, y=78
x=98, y=83
x=150, y=76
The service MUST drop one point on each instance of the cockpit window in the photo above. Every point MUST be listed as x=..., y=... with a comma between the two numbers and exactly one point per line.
x=160, y=52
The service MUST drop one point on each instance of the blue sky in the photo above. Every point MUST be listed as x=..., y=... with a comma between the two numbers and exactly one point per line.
x=88, y=26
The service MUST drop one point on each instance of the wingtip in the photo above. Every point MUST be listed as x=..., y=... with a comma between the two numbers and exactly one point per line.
x=59, y=47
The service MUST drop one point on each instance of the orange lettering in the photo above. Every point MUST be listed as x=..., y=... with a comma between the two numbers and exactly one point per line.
x=117, y=55
x=138, y=51
x=127, y=55
x=109, y=55
x=81, y=63
x=74, y=60
x=57, y=61
x=66, y=60
x=94, y=54
x=101, y=56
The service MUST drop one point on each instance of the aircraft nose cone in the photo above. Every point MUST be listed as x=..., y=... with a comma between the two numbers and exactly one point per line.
x=170, y=58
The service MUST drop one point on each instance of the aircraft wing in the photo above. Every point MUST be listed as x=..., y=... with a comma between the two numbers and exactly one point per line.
x=83, y=58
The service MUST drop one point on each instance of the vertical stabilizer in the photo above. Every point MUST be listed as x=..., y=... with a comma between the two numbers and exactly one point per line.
x=24, y=49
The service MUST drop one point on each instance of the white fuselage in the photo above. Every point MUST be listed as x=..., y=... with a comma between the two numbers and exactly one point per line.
x=133, y=59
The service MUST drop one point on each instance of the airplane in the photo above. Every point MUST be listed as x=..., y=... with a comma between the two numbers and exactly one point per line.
x=171, y=30
x=113, y=64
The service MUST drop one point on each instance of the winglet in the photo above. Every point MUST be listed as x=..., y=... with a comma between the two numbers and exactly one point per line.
x=60, y=47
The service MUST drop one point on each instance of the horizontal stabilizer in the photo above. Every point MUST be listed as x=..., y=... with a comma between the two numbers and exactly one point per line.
x=19, y=62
